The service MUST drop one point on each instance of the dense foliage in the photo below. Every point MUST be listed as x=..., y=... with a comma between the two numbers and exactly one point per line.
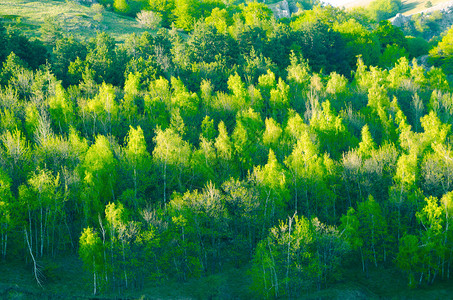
x=287, y=146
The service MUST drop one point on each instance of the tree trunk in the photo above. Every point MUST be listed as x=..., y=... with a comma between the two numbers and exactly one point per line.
x=35, y=265
x=288, y=255
x=94, y=276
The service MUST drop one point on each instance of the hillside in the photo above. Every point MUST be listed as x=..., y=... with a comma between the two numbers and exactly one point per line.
x=80, y=20
x=410, y=7
x=304, y=157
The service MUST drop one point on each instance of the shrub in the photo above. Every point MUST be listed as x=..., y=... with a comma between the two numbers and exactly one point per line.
x=149, y=19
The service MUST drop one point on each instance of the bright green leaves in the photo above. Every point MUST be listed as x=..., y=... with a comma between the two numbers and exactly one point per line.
x=425, y=255
x=331, y=131
x=367, y=145
x=17, y=154
x=101, y=112
x=91, y=255
x=359, y=41
x=441, y=55
x=121, y=6
x=98, y=171
x=430, y=217
x=61, y=109
x=132, y=89
x=272, y=134
x=256, y=14
x=435, y=132
x=172, y=155
x=43, y=208
x=311, y=173
x=373, y=231
x=135, y=150
x=293, y=257
x=7, y=211
x=246, y=135
x=223, y=143
x=220, y=19
x=115, y=216
x=366, y=230
x=239, y=92
x=137, y=161
x=383, y=9
x=350, y=229
x=271, y=180
x=185, y=12
x=408, y=258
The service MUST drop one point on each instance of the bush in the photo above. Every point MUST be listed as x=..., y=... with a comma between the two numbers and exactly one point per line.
x=98, y=11
x=149, y=19
x=417, y=46
x=383, y=9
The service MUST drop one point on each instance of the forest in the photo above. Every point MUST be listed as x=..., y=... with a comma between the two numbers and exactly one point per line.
x=294, y=150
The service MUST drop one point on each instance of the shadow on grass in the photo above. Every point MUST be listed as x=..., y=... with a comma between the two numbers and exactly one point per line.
x=408, y=6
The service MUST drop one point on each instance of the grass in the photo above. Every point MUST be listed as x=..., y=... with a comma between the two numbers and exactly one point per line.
x=409, y=6
x=76, y=19
x=67, y=279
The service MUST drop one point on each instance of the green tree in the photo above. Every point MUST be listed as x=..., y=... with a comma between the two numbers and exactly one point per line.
x=359, y=41
x=121, y=6
x=61, y=109
x=441, y=55
x=7, y=207
x=311, y=173
x=332, y=133
x=225, y=152
x=367, y=145
x=271, y=181
x=390, y=35
x=132, y=96
x=431, y=218
x=185, y=13
x=138, y=159
x=98, y=172
x=101, y=112
x=256, y=14
x=284, y=264
x=43, y=202
x=90, y=251
x=272, y=134
x=409, y=258
x=51, y=31
x=66, y=50
x=172, y=154
x=102, y=59
x=373, y=232
x=17, y=155
x=391, y=55
x=384, y=9
x=205, y=160
x=295, y=256
x=245, y=209
x=245, y=137
x=349, y=229
x=220, y=19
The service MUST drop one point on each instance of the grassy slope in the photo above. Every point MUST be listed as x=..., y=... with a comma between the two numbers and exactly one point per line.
x=66, y=278
x=75, y=18
x=66, y=275
x=409, y=6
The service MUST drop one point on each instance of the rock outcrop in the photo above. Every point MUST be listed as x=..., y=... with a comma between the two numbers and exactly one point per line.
x=284, y=9
x=400, y=20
